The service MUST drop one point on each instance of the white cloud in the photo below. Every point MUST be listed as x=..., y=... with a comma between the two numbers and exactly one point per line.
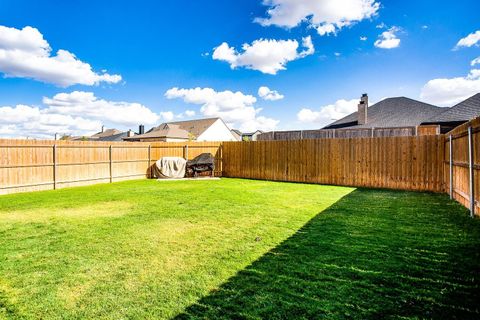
x=388, y=39
x=26, y=54
x=76, y=113
x=328, y=113
x=450, y=91
x=85, y=104
x=18, y=114
x=326, y=29
x=190, y=113
x=381, y=25
x=168, y=116
x=266, y=94
x=470, y=40
x=337, y=54
x=265, y=55
x=259, y=123
x=235, y=108
x=325, y=16
x=363, y=38
x=475, y=61
x=25, y=121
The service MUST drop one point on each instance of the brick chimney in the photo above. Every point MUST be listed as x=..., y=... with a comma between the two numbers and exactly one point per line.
x=141, y=129
x=363, y=109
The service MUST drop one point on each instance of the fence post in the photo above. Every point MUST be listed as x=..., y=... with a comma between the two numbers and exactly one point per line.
x=470, y=165
x=450, y=141
x=221, y=159
x=54, y=167
x=373, y=132
x=110, y=160
x=149, y=160
x=185, y=152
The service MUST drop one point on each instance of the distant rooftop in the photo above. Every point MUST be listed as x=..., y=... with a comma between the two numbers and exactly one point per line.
x=179, y=129
x=391, y=112
x=105, y=133
x=165, y=130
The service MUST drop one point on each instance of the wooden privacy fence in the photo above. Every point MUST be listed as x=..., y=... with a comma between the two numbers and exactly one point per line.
x=462, y=165
x=440, y=163
x=408, y=163
x=350, y=133
x=29, y=165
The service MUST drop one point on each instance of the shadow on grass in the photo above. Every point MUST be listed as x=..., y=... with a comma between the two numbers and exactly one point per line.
x=373, y=254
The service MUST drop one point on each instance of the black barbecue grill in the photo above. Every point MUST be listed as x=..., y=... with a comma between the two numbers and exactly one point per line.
x=201, y=164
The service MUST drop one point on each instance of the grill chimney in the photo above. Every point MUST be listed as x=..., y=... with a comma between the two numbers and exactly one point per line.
x=141, y=129
x=363, y=109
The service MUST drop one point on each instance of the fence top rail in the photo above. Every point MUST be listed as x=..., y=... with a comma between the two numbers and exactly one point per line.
x=131, y=145
x=353, y=139
x=465, y=133
x=474, y=123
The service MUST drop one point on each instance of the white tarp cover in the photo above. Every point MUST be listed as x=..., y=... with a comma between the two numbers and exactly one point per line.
x=170, y=167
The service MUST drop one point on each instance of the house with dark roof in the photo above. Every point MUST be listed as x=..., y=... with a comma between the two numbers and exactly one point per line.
x=211, y=129
x=397, y=112
x=458, y=114
x=106, y=135
x=402, y=112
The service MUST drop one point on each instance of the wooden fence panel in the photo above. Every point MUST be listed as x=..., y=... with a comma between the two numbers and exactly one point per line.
x=461, y=170
x=408, y=163
x=343, y=133
x=31, y=165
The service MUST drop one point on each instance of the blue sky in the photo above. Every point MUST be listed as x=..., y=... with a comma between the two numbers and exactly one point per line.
x=156, y=46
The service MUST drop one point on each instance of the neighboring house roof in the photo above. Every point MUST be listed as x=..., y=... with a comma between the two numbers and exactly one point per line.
x=391, y=112
x=179, y=129
x=252, y=133
x=115, y=137
x=461, y=112
x=237, y=134
x=195, y=127
x=165, y=130
x=105, y=133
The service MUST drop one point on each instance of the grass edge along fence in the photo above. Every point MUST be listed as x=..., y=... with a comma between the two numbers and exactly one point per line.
x=33, y=165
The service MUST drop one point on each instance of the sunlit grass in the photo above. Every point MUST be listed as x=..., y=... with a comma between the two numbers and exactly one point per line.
x=141, y=249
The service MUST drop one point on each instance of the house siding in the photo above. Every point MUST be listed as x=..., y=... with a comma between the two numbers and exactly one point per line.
x=218, y=131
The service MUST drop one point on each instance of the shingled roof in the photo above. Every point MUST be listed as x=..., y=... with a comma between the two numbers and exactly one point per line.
x=114, y=137
x=106, y=133
x=178, y=129
x=461, y=112
x=165, y=130
x=391, y=113
x=195, y=127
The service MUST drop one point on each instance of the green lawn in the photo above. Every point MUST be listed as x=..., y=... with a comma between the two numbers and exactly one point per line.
x=235, y=248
